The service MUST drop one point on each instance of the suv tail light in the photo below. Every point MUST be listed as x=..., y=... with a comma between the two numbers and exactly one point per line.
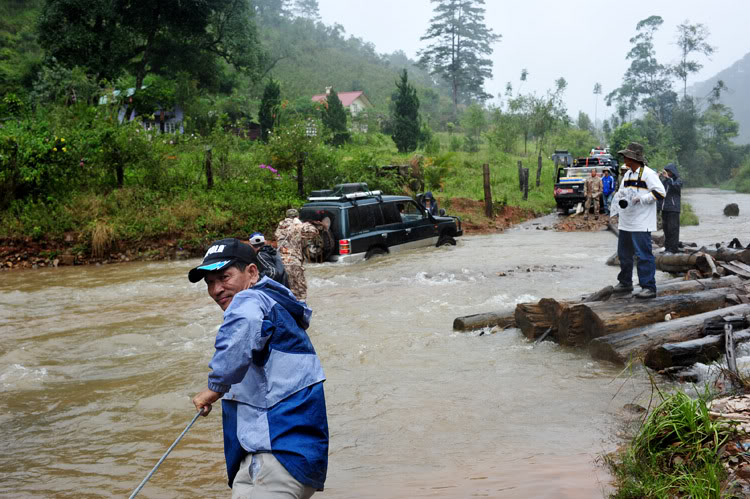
x=344, y=248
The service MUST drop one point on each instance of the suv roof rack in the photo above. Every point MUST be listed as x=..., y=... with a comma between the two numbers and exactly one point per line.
x=343, y=197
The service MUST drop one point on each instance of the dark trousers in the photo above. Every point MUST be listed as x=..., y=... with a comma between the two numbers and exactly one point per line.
x=637, y=244
x=670, y=222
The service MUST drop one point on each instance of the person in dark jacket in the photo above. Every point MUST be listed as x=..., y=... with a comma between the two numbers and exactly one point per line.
x=269, y=261
x=670, y=211
x=430, y=203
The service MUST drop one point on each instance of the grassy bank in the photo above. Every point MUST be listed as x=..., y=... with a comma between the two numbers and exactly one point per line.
x=676, y=453
x=80, y=183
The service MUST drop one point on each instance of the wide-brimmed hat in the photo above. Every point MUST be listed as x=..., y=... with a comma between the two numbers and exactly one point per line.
x=634, y=151
x=221, y=254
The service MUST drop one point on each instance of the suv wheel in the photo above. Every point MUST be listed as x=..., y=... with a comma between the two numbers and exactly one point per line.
x=373, y=252
x=446, y=240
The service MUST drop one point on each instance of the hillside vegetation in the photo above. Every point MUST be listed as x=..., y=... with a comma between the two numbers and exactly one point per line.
x=76, y=179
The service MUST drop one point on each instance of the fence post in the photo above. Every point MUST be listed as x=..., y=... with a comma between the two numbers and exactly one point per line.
x=487, y=191
x=525, y=184
x=209, y=170
x=520, y=176
x=538, y=170
x=300, y=176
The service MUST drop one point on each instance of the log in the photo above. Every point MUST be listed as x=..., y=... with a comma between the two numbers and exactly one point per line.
x=682, y=286
x=724, y=254
x=580, y=323
x=683, y=262
x=686, y=353
x=534, y=319
x=737, y=268
x=632, y=344
x=501, y=318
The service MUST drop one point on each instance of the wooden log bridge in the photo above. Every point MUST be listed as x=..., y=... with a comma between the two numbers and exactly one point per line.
x=580, y=323
x=533, y=319
x=633, y=344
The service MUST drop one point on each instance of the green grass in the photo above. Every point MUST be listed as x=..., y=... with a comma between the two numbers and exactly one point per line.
x=687, y=215
x=675, y=454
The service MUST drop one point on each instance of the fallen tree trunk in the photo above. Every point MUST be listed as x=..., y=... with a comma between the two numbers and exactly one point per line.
x=502, y=318
x=580, y=323
x=534, y=319
x=673, y=288
x=686, y=353
x=682, y=262
x=633, y=344
x=724, y=254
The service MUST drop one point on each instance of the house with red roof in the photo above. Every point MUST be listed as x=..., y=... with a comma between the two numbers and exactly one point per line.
x=355, y=102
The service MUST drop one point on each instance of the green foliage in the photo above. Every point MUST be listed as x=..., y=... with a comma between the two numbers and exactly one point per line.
x=675, y=454
x=269, y=108
x=334, y=119
x=192, y=35
x=474, y=122
x=405, y=117
x=460, y=44
x=687, y=215
x=157, y=94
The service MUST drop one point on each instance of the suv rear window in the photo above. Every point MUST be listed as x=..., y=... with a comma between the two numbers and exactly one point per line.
x=364, y=217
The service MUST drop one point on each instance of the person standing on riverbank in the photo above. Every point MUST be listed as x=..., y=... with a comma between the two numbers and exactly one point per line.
x=608, y=189
x=291, y=234
x=269, y=378
x=269, y=260
x=670, y=210
x=592, y=189
x=639, y=191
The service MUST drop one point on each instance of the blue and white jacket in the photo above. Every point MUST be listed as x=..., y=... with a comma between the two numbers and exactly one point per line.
x=272, y=382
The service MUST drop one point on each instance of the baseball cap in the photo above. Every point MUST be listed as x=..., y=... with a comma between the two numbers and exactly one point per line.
x=257, y=238
x=220, y=254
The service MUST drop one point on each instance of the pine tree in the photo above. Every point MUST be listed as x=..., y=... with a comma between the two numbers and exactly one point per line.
x=405, y=117
x=460, y=42
x=334, y=119
x=269, y=108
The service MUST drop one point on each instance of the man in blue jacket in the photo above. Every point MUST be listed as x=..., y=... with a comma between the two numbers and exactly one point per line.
x=608, y=189
x=269, y=378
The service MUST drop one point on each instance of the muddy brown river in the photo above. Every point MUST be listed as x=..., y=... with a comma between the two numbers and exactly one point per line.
x=98, y=365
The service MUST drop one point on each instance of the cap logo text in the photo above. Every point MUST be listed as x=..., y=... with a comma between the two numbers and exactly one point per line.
x=217, y=248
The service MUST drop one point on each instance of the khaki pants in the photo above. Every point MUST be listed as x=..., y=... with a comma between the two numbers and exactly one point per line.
x=589, y=200
x=262, y=476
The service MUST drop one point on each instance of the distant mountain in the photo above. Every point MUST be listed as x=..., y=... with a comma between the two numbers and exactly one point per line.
x=737, y=79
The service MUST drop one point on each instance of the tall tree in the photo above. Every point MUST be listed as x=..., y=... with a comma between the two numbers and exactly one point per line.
x=165, y=37
x=405, y=117
x=269, y=108
x=597, y=93
x=459, y=45
x=647, y=83
x=691, y=38
x=307, y=9
x=334, y=118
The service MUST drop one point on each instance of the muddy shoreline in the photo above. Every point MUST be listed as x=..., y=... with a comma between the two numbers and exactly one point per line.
x=71, y=249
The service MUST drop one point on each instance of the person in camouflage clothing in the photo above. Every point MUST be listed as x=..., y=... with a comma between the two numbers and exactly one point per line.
x=290, y=237
x=592, y=190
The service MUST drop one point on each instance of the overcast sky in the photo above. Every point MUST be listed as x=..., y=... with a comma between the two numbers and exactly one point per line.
x=584, y=41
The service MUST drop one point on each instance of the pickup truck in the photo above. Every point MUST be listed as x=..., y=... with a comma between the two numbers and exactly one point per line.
x=569, y=183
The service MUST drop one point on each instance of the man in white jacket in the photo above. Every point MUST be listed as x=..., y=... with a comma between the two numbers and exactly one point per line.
x=636, y=200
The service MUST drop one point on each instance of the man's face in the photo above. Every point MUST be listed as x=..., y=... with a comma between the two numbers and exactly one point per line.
x=225, y=283
x=593, y=173
x=632, y=164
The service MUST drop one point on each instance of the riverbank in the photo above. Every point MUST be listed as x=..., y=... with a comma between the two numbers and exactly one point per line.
x=74, y=248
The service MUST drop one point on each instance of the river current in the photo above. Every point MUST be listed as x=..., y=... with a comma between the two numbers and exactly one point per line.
x=98, y=365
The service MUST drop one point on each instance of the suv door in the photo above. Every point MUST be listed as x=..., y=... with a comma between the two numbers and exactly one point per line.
x=418, y=226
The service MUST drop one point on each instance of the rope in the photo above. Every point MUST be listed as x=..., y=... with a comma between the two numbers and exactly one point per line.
x=151, y=473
